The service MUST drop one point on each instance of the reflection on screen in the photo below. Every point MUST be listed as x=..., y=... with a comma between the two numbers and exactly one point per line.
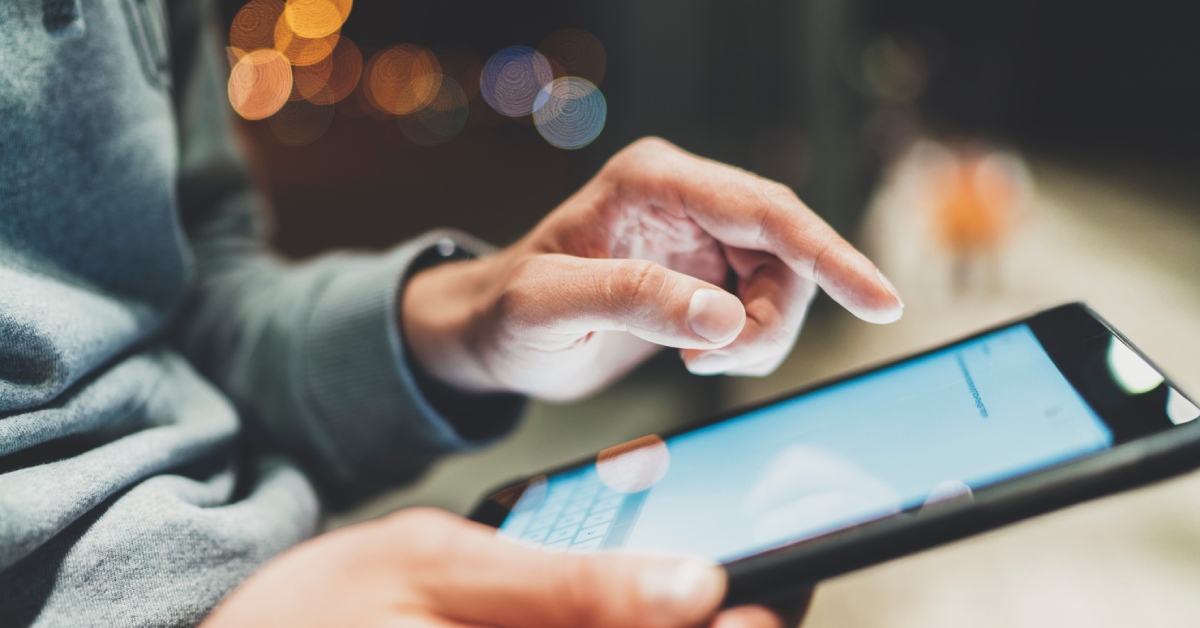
x=930, y=429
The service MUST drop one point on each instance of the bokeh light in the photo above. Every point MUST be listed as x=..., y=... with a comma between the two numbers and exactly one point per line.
x=1179, y=409
x=978, y=199
x=441, y=120
x=232, y=54
x=259, y=84
x=570, y=112
x=1133, y=374
x=301, y=50
x=345, y=68
x=253, y=26
x=575, y=52
x=512, y=79
x=308, y=80
x=301, y=122
x=289, y=62
x=315, y=19
x=365, y=103
x=402, y=79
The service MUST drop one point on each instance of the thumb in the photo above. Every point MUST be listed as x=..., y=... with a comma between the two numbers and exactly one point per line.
x=576, y=295
x=480, y=578
x=623, y=590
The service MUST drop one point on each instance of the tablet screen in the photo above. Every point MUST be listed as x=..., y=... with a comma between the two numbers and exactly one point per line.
x=930, y=429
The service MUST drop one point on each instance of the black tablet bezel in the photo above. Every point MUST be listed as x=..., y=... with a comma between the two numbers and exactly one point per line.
x=1146, y=447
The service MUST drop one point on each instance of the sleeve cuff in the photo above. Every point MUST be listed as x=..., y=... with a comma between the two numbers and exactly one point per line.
x=386, y=421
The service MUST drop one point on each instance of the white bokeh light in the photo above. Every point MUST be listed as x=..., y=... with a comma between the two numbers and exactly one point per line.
x=570, y=112
x=512, y=79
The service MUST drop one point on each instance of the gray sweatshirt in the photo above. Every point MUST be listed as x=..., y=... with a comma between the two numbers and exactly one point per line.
x=163, y=377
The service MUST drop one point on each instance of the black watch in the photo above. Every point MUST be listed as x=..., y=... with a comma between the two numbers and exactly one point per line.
x=443, y=251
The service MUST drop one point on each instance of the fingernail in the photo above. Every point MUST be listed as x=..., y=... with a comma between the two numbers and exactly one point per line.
x=714, y=315
x=681, y=588
x=892, y=289
x=712, y=363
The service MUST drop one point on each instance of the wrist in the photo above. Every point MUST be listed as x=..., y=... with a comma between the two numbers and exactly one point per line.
x=439, y=311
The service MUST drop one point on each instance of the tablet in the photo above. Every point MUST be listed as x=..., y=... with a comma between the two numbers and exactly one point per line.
x=1011, y=422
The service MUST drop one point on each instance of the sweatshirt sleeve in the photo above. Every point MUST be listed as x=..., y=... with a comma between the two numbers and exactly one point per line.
x=311, y=353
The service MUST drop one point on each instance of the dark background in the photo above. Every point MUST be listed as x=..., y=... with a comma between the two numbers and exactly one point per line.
x=817, y=94
x=780, y=88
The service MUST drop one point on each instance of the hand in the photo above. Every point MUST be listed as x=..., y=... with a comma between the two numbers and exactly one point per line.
x=429, y=569
x=639, y=258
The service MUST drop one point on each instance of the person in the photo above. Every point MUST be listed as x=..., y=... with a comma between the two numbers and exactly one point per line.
x=164, y=377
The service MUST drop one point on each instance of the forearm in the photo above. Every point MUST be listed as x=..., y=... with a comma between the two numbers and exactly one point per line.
x=313, y=355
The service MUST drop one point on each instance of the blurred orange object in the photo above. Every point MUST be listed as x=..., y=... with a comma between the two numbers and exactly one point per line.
x=975, y=205
x=977, y=198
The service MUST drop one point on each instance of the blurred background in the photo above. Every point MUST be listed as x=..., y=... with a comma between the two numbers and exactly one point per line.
x=993, y=158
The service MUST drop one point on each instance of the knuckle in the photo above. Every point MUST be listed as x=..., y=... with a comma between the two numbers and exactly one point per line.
x=775, y=191
x=635, y=284
x=646, y=151
x=523, y=287
x=826, y=249
x=776, y=196
x=652, y=145
x=782, y=211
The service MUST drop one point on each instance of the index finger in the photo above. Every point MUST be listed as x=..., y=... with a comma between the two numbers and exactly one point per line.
x=747, y=211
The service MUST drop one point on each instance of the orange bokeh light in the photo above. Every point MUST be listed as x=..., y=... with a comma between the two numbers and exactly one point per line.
x=253, y=27
x=232, y=55
x=402, y=79
x=366, y=102
x=301, y=50
x=316, y=19
x=310, y=80
x=975, y=204
x=259, y=84
x=345, y=70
